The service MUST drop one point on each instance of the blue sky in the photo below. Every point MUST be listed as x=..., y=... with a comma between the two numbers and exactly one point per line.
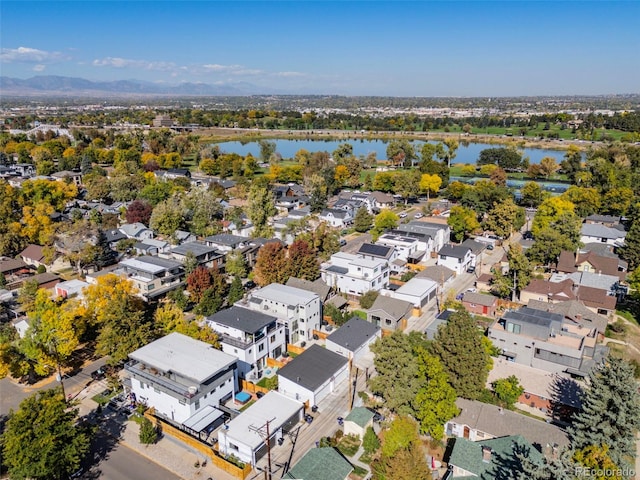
x=351, y=48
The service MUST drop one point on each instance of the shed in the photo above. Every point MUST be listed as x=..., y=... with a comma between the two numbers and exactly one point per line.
x=357, y=421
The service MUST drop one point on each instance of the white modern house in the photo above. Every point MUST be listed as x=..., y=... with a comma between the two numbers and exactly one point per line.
x=337, y=217
x=245, y=435
x=455, y=257
x=598, y=233
x=299, y=310
x=354, y=275
x=250, y=336
x=438, y=232
x=179, y=377
x=417, y=291
x=313, y=375
x=406, y=247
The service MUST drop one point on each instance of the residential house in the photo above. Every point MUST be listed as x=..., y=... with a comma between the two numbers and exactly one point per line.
x=66, y=175
x=151, y=247
x=179, y=376
x=205, y=255
x=389, y=313
x=226, y=242
x=574, y=311
x=337, y=217
x=455, y=257
x=249, y=336
x=13, y=267
x=313, y=375
x=353, y=275
x=300, y=213
x=33, y=256
x=438, y=232
x=173, y=173
x=152, y=276
x=479, y=421
x=323, y=463
x=181, y=237
x=420, y=292
x=353, y=339
x=569, y=262
x=70, y=288
x=441, y=319
x=137, y=231
x=477, y=248
x=598, y=233
x=480, y=304
x=406, y=248
x=317, y=286
x=113, y=237
x=44, y=280
x=483, y=460
x=357, y=422
x=611, y=221
x=372, y=251
x=544, y=340
x=425, y=241
x=440, y=274
x=299, y=310
x=243, y=437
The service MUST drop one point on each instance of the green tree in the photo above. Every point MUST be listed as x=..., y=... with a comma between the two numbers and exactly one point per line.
x=505, y=218
x=631, y=249
x=267, y=149
x=402, y=456
x=462, y=221
x=363, y=220
x=459, y=346
x=450, y=153
x=610, y=412
x=368, y=298
x=235, y=264
x=148, y=433
x=42, y=440
x=586, y=199
x=236, y=291
x=261, y=207
x=401, y=153
x=532, y=194
x=370, y=442
x=168, y=216
x=407, y=184
x=435, y=402
x=572, y=162
x=385, y=219
x=508, y=390
x=548, y=245
x=549, y=212
x=398, y=380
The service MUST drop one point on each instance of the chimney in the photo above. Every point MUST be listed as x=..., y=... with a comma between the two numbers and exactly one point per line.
x=486, y=454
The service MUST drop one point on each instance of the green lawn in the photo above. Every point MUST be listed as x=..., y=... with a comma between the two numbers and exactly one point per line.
x=360, y=313
x=103, y=397
x=247, y=405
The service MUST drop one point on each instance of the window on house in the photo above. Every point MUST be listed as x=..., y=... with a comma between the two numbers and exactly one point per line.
x=197, y=404
x=513, y=327
x=182, y=402
x=261, y=347
x=388, y=321
x=272, y=338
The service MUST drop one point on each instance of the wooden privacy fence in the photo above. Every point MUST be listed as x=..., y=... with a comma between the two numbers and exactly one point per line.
x=294, y=349
x=252, y=387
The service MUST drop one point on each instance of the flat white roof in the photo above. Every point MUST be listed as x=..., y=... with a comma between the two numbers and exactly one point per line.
x=368, y=262
x=184, y=356
x=285, y=294
x=417, y=286
x=273, y=406
x=72, y=284
x=144, y=266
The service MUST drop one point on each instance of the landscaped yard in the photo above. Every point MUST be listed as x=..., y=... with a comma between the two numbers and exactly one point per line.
x=349, y=445
x=103, y=397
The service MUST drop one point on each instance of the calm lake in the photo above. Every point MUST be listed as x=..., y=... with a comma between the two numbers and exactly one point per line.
x=288, y=148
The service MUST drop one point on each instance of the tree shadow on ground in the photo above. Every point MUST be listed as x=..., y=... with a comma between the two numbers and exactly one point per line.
x=566, y=398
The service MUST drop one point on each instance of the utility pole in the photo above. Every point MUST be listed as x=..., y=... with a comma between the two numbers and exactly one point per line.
x=513, y=289
x=54, y=350
x=265, y=434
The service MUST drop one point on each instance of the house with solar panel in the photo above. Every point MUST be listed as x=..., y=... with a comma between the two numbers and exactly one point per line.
x=545, y=340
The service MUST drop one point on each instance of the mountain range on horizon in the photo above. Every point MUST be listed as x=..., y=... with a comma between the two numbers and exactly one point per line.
x=49, y=85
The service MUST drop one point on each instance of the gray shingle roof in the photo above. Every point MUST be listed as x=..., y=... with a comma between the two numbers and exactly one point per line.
x=394, y=307
x=455, y=251
x=313, y=367
x=479, y=299
x=248, y=321
x=353, y=334
x=226, y=239
x=320, y=464
x=599, y=230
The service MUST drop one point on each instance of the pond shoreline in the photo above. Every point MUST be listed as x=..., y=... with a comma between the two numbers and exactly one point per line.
x=220, y=135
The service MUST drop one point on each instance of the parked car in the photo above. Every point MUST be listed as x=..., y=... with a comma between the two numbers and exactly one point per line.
x=343, y=242
x=403, y=215
x=259, y=394
x=99, y=374
x=471, y=269
x=527, y=235
x=418, y=215
x=490, y=247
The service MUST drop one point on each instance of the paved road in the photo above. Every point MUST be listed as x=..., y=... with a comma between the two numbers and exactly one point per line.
x=117, y=461
x=13, y=393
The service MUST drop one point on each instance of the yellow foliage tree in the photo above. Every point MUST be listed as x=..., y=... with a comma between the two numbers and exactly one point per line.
x=37, y=224
x=109, y=289
x=341, y=174
x=430, y=184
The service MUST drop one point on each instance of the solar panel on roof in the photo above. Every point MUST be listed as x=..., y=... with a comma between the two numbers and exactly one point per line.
x=372, y=249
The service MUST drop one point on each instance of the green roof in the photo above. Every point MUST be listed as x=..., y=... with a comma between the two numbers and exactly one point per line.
x=467, y=455
x=360, y=416
x=320, y=464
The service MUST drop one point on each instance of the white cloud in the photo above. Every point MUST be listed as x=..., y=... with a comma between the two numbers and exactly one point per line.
x=289, y=74
x=39, y=67
x=31, y=55
x=118, y=62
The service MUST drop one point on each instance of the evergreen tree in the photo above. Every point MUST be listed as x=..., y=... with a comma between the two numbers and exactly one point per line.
x=363, y=220
x=610, y=412
x=459, y=346
x=190, y=262
x=236, y=291
x=148, y=432
x=631, y=249
x=41, y=439
x=104, y=255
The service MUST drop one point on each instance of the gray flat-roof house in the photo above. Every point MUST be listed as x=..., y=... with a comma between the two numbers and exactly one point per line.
x=152, y=276
x=389, y=313
x=250, y=336
x=299, y=310
x=179, y=376
x=313, y=375
x=544, y=340
x=225, y=242
x=244, y=436
x=352, y=340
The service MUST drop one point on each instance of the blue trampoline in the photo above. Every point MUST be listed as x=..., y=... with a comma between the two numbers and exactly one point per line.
x=242, y=397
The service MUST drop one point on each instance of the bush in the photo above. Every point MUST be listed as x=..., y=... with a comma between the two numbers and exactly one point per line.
x=41, y=269
x=148, y=432
x=367, y=299
x=407, y=276
x=370, y=443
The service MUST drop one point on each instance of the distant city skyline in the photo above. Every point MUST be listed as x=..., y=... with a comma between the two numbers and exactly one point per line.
x=397, y=48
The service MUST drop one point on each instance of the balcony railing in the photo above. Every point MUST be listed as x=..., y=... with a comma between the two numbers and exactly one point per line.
x=140, y=370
